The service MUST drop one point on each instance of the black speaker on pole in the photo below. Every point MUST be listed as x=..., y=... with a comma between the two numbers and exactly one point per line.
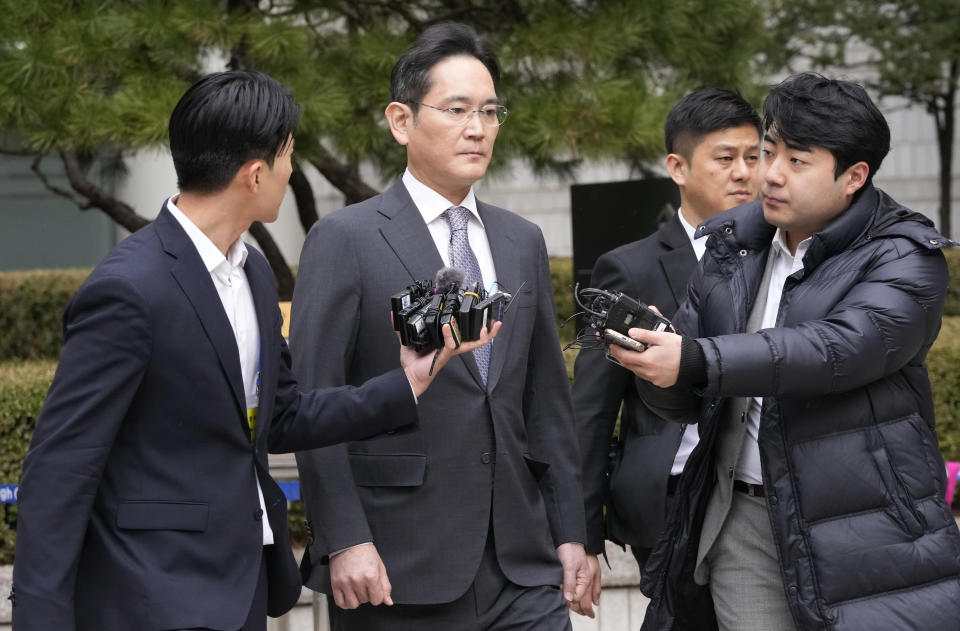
x=611, y=214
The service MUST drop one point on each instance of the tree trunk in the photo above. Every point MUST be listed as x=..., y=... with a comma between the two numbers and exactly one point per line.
x=346, y=178
x=303, y=196
x=281, y=271
x=945, y=131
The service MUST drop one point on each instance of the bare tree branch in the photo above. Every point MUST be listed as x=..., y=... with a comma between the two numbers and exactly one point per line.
x=117, y=210
x=53, y=188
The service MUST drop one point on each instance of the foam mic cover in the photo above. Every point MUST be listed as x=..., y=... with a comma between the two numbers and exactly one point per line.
x=447, y=276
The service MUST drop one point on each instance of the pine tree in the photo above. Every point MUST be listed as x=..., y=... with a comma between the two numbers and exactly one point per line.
x=585, y=79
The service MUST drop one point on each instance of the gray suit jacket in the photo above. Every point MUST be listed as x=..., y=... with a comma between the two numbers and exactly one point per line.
x=501, y=455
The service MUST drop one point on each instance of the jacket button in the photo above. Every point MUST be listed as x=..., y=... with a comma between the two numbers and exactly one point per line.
x=258, y=514
x=793, y=589
x=773, y=499
x=485, y=458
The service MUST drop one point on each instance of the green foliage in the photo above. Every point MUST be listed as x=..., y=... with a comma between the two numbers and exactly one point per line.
x=942, y=364
x=952, y=305
x=584, y=78
x=31, y=309
x=23, y=386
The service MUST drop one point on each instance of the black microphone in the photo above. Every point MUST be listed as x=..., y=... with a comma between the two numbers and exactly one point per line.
x=447, y=276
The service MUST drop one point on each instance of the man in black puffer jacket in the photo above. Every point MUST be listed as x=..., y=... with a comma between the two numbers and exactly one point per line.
x=816, y=497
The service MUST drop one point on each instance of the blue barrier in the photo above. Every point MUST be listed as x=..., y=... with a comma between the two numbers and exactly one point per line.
x=8, y=492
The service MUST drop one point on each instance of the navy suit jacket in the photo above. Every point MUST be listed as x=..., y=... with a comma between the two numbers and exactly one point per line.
x=633, y=488
x=138, y=506
x=500, y=455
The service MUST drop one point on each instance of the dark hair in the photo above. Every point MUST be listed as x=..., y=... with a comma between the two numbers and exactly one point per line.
x=410, y=78
x=225, y=120
x=810, y=110
x=702, y=112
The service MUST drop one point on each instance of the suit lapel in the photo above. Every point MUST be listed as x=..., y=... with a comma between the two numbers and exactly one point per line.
x=192, y=276
x=679, y=260
x=504, y=250
x=408, y=236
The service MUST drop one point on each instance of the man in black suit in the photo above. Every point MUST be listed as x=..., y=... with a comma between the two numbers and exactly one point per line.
x=713, y=148
x=473, y=519
x=144, y=491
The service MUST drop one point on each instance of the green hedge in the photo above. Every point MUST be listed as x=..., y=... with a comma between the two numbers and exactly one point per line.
x=32, y=303
x=31, y=310
x=952, y=306
x=23, y=386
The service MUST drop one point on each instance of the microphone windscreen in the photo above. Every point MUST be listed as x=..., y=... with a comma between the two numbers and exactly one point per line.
x=449, y=275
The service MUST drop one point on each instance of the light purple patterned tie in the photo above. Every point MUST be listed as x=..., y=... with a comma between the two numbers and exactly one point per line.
x=463, y=258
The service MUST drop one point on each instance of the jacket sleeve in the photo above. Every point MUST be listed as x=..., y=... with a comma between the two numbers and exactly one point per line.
x=887, y=320
x=327, y=416
x=598, y=391
x=107, y=346
x=549, y=417
x=323, y=326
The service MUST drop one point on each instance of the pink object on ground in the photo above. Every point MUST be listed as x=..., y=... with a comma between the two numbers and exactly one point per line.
x=952, y=469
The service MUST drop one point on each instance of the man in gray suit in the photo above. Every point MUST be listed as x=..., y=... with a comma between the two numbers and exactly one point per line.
x=713, y=147
x=473, y=519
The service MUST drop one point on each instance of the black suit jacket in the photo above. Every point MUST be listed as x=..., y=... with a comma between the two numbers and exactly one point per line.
x=138, y=506
x=654, y=270
x=502, y=454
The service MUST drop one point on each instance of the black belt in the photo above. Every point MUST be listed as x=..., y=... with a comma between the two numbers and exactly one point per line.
x=754, y=490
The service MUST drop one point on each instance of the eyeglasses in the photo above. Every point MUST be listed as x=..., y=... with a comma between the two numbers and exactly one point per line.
x=490, y=115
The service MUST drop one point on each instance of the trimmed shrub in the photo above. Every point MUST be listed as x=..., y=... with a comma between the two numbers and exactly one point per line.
x=952, y=305
x=31, y=311
x=943, y=366
x=23, y=386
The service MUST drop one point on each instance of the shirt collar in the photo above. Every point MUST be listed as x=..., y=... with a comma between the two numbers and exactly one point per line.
x=211, y=255
x=431, y=204
x=699, y=243
x=780, y=246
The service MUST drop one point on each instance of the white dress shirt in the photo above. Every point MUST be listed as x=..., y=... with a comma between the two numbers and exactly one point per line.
x=691, y=433
x=230, y=279
x=784, y=264
x=431, y=205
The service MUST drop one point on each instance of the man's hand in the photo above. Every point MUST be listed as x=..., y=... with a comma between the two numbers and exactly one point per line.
x=358, y=576
x=591, y=595
x=659, y=364
x=421, y=369
x=577, y=575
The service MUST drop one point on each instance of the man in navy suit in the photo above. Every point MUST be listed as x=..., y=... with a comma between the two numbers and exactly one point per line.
x=145, y=488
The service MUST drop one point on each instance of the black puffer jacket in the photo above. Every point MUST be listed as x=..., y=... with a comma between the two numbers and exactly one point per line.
x=855, y=481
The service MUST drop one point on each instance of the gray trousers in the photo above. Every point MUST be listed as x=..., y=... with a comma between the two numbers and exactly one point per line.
x=745, y=580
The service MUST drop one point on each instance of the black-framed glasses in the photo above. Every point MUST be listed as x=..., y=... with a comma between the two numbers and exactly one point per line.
x=490, y=115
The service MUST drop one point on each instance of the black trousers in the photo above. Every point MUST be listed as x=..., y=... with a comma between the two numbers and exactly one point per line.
x=492, y=603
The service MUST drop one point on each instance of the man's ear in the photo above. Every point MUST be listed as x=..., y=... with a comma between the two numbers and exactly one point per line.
x=249, y=175
x=856, y=175
x=400, y=118
x=677, y=168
